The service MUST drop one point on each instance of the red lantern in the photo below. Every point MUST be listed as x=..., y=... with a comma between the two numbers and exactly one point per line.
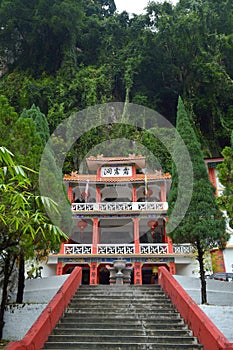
x=82, y=224
x=148, y=193
x=152, y=224
x=85, y=195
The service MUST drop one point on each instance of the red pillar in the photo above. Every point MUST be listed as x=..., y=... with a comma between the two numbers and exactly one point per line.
x=70, y=194
x=98, y=177
x=134, y=194
x=136, y=235
x=134, y=172
x=98, y=195
x=163, y=197
x=62, y=248
x=211, y=172
x=93, y=273
x=172, y=267
x=170, y=246
x=138, y=273
x=95, y=235
x=59, y=270
x=167, y=239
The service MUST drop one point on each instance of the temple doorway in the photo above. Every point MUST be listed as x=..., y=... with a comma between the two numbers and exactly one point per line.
x=85, y=275
x=146, y=275
x=150, y=274
x=104, y=275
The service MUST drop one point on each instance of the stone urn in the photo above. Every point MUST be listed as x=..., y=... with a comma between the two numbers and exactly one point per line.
x=119, y=265
x=119, y=272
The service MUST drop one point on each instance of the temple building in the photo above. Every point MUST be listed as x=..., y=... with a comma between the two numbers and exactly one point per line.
x=119, y=210
x=222, y=261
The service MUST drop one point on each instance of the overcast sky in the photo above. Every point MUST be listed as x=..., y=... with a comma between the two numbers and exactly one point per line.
x=134, y=6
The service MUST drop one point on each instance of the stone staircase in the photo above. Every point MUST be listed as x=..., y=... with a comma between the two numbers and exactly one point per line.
x=121, y=317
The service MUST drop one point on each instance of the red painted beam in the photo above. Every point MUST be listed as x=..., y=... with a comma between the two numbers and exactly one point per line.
x=203, y=328
x=46, y=322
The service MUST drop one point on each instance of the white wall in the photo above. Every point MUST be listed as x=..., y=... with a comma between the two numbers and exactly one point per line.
x=228, y=259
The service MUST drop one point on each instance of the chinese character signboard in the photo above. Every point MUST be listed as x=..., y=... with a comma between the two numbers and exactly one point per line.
x=116, y=171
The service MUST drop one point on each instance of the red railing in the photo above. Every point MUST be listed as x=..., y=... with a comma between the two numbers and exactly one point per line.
x=46, y=322
x=203, y=328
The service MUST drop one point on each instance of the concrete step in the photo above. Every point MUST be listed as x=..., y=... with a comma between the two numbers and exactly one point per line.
x=120, y=315
x=85, y=324
x=120, y=338
x=118, y=303
x=120, y=290
x=119, y=298
x=120, y=308
x=110, y=289
x=116, y=332
x=122, y=318
x=122, y=286
x=116, y=299
x=122, y=295
x=126, y=345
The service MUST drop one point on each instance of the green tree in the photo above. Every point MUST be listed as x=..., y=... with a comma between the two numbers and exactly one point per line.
x=23, y=221
x=196, y=50
x=28, y=146
x=226, y=178
x=39, y=120
x=8, y=118
x=31, y=134
x=42, y=31
x=203, y=224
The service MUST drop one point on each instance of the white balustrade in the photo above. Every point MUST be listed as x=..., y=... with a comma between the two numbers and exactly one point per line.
x=127, y=249
x=183, y=249
x=154, y=248
x=120, y=206
x=115, y=249
x=78, y=249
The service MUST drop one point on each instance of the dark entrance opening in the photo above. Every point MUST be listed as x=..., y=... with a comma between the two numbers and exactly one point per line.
x=104, y=276
x=146, y=275
x=85, y=275
x=132, y=277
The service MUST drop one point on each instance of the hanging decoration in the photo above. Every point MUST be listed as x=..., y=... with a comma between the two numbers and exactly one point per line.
x=148, y=193
x=86, y=194
x=146, y=185
x=152, y=224
x=81, y=224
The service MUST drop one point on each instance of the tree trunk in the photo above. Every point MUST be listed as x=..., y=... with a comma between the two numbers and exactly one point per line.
x=21, y=279
x=202, y=273
x=7, y=270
